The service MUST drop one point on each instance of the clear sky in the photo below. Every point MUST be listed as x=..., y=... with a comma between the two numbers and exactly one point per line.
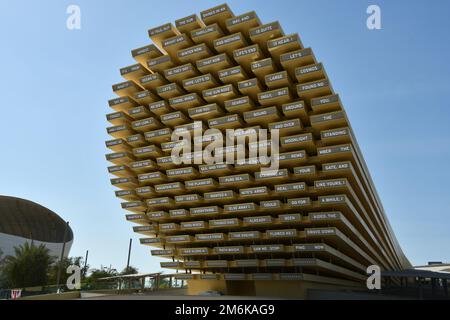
x=394, y=84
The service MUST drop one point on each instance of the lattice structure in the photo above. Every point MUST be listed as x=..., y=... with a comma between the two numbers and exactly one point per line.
x=318, y=219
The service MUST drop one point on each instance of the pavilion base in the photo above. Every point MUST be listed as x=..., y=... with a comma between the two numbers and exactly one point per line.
x=269, y=289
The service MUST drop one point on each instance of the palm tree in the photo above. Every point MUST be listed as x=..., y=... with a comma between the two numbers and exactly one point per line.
x=29, y=267
x=93, y=280
x=129, y=270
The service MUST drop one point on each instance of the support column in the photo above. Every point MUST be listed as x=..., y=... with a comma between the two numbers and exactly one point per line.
x=445, y=285
x=433, y=287
x=157, y=282
x=420, y=289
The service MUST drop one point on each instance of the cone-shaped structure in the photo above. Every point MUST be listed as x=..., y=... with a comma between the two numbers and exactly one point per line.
x=314, y=220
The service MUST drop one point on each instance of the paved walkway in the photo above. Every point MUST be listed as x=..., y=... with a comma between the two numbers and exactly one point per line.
x=161, y=295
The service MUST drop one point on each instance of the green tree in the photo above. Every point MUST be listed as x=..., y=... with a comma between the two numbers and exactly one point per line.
x=164, y=284
x=129, y=270
x=103, y=272
x=28, y=267
x=94, y=277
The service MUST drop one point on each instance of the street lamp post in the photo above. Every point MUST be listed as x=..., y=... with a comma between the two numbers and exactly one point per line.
x=61, y=257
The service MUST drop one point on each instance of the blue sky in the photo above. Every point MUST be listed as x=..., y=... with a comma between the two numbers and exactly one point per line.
x=56, y=83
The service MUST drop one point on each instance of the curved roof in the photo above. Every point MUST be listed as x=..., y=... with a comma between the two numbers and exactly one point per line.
x=443, y=267
x=30, y=220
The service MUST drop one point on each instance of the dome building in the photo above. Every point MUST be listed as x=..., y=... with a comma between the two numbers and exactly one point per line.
x=24, y=221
